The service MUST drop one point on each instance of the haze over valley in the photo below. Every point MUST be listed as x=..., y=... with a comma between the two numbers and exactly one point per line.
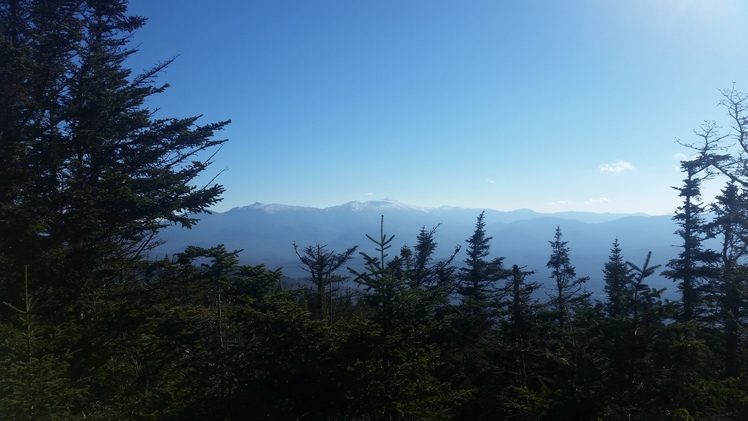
x=266, y=233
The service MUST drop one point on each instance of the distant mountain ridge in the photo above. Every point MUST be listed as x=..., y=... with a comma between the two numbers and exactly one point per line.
x=266, y=233
x=390, y=204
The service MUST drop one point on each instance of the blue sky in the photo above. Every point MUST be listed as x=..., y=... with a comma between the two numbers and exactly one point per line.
x=547, y=105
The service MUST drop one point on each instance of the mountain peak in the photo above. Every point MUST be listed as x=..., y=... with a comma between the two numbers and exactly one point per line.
x=375, y=205
x=271, y=207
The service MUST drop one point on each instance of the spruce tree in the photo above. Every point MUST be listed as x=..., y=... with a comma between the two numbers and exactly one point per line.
x=477, y=359
x=629, y=343
x=389, y=349
x=573, y=377
x=692, y=267
x=321, y=265
x=33, y=365
x=617, y=277
x=89, y=174
x=478, y=288
x=419, y=266
x=520, y=326
x=729, y=288
x=569, y=289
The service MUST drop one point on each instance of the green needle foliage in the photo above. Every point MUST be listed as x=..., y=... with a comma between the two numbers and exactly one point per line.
x=389, y=349
x=90, y=328
x=34, y=382
x=89, y=174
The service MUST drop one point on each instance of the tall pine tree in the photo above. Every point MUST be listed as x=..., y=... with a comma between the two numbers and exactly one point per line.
x=89, y=174
x=569, y=289
x=692, y=267
x=730, y=288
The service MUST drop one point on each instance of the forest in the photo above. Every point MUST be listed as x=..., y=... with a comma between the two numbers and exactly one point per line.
x=90, y=328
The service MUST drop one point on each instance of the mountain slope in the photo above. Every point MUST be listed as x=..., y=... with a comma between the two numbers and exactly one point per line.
x=266, y=234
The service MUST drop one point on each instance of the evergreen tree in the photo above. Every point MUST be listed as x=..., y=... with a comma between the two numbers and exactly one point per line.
x=730, y=288
x=630, y=342
x=521, y=313
x=520, y=325
x=418, y=264
x=321, y=264
x=284, y=362
x=214, y=339
x=572, y=377
x=569, y=290
x=89, y=174
x=619, y=280
x=478, y=287
x=692, y=267
x=725, y=153
x=33, y=367
x=389, y=347
x=617, y=277
x=684, y=379
x=477, y=359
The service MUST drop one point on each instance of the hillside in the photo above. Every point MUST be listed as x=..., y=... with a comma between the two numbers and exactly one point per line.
x=266, y=233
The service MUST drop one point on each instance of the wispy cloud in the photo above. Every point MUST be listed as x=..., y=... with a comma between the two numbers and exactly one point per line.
x=370, y=194
x=617, y=166
x=593, y=200
x=489, y=181
x=680, y=156
x=559, y=202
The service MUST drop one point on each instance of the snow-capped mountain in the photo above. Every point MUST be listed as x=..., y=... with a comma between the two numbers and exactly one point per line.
x=266, y=233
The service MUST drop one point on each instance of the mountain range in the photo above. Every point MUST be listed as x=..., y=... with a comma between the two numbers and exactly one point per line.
x=266, y=234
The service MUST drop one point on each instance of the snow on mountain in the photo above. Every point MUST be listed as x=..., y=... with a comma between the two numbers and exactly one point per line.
x=266, y=233
x=372, y=205
x=271, y=207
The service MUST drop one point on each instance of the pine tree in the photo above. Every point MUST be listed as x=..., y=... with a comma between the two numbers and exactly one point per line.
x=478, y=287
x=631, y=335
x=389, y=347
x=477, y=357
x=521, y=314
x=730, y=289
x=619, y=279
x=520, y=325
x=89, y=174
x=321, y=264
x=617, y=276
x=692, y=267
x=569, y=290
x=418, y=265
x=572, y=376
x=34, y=382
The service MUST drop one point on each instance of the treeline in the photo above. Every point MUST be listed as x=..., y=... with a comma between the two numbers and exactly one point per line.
x=91, y=329
x=199, y=336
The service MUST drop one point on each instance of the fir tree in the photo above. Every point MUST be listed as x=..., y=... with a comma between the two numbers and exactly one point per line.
x=478, y=287
x=89, y=173
x=520, y=325
x=34, y=382
x=730, y=290
x=321, y=264
x=419, y=266
x=389, y=348
x=569, y=289
x=90, y=176
x=617, y=277
x=691, y=269
x=477, y=358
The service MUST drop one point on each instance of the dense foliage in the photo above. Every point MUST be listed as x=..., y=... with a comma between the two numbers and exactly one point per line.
x=92, y=329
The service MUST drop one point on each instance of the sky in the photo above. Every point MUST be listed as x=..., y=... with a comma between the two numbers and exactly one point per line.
x=572, y=105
